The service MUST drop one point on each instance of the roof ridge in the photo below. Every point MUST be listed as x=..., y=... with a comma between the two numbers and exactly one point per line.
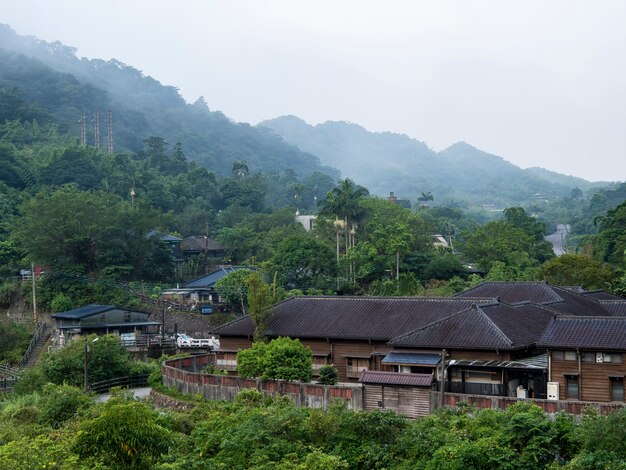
x=491, y=322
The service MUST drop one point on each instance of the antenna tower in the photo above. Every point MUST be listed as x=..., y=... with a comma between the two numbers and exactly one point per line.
x=83, y=129
x=110, y=133
x=96, y=129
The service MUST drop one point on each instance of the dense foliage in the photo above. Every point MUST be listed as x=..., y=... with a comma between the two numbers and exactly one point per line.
x=281, y=358
x=61, y=428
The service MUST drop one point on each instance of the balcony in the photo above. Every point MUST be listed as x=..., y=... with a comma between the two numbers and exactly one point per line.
x=476, y=388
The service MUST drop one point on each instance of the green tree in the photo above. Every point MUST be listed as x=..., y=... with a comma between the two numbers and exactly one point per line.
x=125, y=435
x=282, y=358
x=578, y=270
x=233, y=287
x=302, y=261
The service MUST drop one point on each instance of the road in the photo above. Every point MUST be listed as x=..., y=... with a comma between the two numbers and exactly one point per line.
x=558, y=239
x=139, y=393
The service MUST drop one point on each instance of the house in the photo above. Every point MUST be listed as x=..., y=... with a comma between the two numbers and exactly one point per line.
x=307, y=221
x=586, y=357
x=493, y=339
x=201, y=245
x=103, y=319
x=200, y=290
x=401, y=202
x=350, y=332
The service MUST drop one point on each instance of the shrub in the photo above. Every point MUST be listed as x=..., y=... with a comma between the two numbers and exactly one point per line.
x=283, y=358
x=329, y=375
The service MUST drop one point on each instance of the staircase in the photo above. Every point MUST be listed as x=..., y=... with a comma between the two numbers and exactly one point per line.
x=37, y=345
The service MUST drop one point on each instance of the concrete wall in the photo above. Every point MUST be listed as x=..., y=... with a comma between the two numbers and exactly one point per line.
x=549, y=406
x=185, y=375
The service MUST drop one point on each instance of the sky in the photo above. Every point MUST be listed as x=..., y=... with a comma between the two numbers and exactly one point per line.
x=539, y=83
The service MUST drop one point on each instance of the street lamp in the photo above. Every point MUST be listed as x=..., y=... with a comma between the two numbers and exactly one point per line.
x=85, y=352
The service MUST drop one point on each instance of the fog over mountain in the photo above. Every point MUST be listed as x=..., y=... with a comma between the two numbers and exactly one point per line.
x=385, y=162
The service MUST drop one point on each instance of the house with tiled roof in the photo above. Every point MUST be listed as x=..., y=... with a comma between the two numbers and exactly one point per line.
x=586, y=357
x=489, y=340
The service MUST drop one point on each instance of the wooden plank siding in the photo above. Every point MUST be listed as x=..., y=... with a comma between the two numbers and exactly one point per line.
x=594, y=379
x=411, y=402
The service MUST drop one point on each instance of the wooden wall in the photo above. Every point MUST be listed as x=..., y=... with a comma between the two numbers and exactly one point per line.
x=593, y=381
x=411, y=402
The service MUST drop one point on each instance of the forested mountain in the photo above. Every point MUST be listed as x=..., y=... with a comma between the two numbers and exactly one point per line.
x=460, y=175
x=63, y=85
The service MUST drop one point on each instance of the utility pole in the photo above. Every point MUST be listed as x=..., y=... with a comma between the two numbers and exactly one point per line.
x=96, y=129
x=83, y=129
x=85, y=380
x=32, y=277
x=110, y=133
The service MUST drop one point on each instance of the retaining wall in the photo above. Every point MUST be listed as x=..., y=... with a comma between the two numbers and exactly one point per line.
x=185, y=375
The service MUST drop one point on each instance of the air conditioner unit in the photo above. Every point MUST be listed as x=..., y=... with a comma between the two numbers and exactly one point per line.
x=599, y=357
x=553, y=390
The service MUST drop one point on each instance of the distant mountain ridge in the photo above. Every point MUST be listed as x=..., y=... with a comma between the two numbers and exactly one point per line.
x=459, y=175
x=141, y=107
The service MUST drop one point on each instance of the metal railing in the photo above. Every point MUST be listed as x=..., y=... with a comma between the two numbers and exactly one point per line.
x=131, y=381
x=7, y=383
x=39, y=332
x=145, y=342
x=475, y=388
x=8, y=371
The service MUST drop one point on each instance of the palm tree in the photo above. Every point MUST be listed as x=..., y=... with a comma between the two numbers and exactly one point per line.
x=425, y=197
x=343, y=201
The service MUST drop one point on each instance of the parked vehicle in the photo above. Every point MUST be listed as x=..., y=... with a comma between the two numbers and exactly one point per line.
x=186, y=341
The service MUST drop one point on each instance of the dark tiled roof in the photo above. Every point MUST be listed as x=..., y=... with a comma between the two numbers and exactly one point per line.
x=396, y=378
x=514, y=292
x=616, y=308
x=376, y=318
x=496, y=326
x=602, y=295
x=209, y=280
x=83, y=312
x=567, y=300
x=198, y=243
x=606, y=333
x=577, y=304
x=470, y=329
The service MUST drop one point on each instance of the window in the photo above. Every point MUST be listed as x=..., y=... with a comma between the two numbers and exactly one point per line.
x=318, y=362
x=571, y=383
x=226, y=361
x=602, y=357
x=570, y=355
x=356, y=365
x=617, y=388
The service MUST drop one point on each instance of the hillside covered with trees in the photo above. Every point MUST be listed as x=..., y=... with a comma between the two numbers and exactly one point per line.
x=460, y=175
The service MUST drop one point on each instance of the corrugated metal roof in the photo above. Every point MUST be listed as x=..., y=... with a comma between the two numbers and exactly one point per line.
x=375, y=318
x=396, y=378
x=209, y=280
x=83, y=312
x=535, y=362
x=604, y=333
x=412, y=358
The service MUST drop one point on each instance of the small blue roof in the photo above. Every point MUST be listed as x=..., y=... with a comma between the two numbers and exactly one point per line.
x=83, y=312
x=412, y=358
x=209, y=280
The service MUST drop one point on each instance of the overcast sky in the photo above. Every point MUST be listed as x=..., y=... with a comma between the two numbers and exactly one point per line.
x=540, y=83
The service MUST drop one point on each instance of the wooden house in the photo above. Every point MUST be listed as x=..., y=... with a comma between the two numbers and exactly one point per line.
x=586, y=357
x=103, y=319
x=490, y=340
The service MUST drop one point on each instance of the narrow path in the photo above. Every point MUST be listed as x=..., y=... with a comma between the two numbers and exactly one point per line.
x=139, y=393
x=558, y=239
